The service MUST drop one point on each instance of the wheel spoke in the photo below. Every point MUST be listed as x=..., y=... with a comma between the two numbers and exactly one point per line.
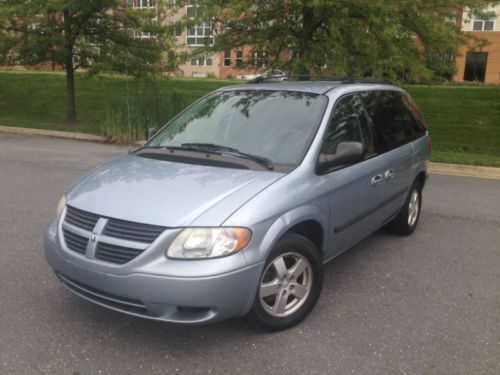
x=280, y=304
x=280, y=267
x=269, y=289
x=298, y=268
x=299, y=291
x=285, y=283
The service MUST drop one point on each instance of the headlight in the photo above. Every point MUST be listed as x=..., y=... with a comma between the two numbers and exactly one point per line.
x=208, y=242
x=60, y=205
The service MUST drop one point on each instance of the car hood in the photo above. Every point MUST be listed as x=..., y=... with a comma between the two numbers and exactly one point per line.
x=165, y=193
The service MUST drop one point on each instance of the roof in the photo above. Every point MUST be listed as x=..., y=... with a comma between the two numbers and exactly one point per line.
x=314, y=87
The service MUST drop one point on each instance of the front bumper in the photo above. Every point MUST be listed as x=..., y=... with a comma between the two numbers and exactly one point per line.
x=163, y=297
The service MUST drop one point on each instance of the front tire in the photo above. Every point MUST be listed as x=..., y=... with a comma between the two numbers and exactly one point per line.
x=290, y=284
x=406, y=221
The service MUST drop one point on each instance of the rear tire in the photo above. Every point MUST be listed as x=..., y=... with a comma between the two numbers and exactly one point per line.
x=406, y=221
x=290, y=284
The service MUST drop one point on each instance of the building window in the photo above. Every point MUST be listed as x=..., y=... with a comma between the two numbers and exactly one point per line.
x=475, y=66
x=227, y=57
x=259, y=59
x=143, y=35
x=483, y=25
x=191, y=8
x=144, y=4
x=239, y=59
x=201, y=61
x=175, y=27
x=200, y=35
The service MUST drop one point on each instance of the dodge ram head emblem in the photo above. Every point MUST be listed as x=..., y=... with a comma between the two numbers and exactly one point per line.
x=93, y=237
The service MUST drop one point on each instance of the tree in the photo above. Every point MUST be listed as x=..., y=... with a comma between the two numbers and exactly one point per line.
x=401, y=39
x=97, y=35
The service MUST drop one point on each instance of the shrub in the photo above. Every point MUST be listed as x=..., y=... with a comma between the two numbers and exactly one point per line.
x=143, y=105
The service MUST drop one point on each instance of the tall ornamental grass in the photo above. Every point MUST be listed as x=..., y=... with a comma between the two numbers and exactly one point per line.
x=142, y=106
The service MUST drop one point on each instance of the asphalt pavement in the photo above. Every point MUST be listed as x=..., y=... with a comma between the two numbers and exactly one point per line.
x=424, y=304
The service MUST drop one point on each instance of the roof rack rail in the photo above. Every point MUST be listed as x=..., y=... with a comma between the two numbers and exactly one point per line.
x=339, y=79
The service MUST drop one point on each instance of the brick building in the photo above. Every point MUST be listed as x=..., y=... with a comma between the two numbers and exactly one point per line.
x=481, y=65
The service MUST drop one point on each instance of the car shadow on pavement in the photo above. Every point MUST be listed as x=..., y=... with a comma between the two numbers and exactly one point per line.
x=183, y=340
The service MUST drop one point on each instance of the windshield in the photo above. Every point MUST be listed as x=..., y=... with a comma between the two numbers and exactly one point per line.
x=274, y=125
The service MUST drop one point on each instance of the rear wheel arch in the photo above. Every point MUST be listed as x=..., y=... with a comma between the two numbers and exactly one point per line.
x=421, y=179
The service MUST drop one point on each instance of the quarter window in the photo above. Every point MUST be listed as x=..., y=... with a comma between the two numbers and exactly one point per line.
x=349, y=123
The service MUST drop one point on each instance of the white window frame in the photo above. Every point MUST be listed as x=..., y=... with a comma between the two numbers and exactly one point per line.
x=144, y=4
x=205, y=34
x=483, y=24
x=143, y=35
x=206, y=28
x=202, y=61
x=172, y=23
x=227, y=58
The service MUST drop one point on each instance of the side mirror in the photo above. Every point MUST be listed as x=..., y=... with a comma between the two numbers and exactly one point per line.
x=150, y=133
x=348, y=153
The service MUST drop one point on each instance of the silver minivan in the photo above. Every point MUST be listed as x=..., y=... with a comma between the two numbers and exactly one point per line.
x=235, y=205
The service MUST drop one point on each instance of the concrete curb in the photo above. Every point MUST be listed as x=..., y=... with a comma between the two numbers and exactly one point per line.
x=433, y=168
x=464, y=170
x=52, y=133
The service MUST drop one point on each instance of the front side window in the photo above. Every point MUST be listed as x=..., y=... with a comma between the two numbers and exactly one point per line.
x=349, y=123
x=393, y=120
x=277, y=125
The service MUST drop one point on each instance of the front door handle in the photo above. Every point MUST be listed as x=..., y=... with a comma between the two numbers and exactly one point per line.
x=389, y=174
x=376, y=179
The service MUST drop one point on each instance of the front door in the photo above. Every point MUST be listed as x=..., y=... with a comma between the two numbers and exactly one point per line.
x=355, y=190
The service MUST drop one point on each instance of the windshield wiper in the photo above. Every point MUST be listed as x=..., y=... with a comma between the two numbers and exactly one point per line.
x=230, y=151
x=183, y=147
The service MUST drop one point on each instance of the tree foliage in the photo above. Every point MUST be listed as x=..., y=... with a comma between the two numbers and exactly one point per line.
x=401, y=39
x=97, y=35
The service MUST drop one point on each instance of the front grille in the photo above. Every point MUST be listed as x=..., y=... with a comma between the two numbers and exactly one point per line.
x=75, y=242
x=79, y=226
x=116, y=254
x=128, y=230
x=103, y=298
x=81, y=219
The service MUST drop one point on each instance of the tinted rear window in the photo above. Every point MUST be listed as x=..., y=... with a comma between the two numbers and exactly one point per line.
x=395, y=117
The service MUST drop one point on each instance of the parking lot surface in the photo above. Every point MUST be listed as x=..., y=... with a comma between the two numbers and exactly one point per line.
x=424, y=304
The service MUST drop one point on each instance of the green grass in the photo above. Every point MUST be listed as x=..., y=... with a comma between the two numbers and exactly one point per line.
x=464, y=121
x=38, y=100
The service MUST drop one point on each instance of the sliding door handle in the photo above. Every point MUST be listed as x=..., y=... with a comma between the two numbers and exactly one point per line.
x=377, y=179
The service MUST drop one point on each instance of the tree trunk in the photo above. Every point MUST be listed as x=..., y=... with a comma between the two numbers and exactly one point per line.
x=70, y=91
x=306, y=43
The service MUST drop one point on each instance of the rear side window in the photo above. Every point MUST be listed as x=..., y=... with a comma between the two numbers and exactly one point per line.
x=349, y=123
x=396, y=119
